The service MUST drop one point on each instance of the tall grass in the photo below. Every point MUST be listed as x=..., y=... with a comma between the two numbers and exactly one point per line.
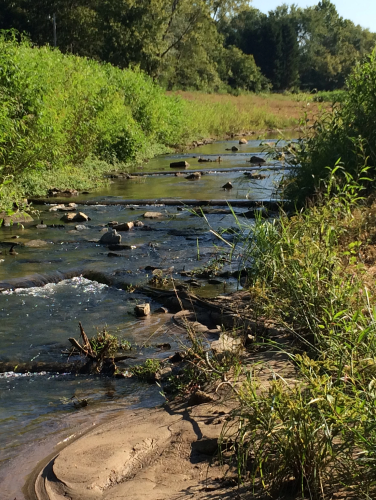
x=217, y=115
x=310, y=274
x=344, y=133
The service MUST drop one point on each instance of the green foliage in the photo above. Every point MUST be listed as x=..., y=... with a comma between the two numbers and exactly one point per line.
x=307, y=274
x=104, y=345
x=346, y=134
x=61, y=115
x=146, y=372
x=334, y=96
x=314, y=48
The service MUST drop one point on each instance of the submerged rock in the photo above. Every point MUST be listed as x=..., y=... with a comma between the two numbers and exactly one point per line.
x=152, y=215
x=37, y=243
x=194, y=176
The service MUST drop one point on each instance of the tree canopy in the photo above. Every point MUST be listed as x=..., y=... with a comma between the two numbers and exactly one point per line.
x=206, y=44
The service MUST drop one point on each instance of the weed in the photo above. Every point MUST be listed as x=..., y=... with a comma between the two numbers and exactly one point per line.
x=146, y=372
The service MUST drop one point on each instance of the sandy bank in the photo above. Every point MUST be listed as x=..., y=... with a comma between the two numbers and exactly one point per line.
x=165, y=453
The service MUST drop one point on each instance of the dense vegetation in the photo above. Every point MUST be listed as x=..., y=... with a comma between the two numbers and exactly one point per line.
x=313, y=275
x=203, y=45
x=65, y=120
x=344, y=134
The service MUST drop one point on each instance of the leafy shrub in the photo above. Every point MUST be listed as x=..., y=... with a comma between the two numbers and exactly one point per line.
x=346, y=133
x=60, y=110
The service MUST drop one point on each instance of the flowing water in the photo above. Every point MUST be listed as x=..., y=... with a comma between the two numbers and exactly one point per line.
x=35, y=322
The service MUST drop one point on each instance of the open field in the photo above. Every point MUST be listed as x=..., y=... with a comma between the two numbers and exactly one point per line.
x=220, y=114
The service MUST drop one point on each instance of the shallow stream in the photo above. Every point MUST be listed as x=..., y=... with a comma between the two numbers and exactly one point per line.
x=36, y=321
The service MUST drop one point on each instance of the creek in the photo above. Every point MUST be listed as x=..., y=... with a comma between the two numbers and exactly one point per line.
x=39, y=309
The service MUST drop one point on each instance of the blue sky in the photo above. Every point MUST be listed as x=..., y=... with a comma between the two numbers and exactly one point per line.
x=361, y=12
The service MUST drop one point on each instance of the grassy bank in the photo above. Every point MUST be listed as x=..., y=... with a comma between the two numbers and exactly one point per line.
x=311, y=274
x=220, y=114
x=66, y=120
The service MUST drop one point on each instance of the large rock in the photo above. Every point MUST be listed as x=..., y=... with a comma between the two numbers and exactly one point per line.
x=110, y=238
x=152, y=215
x=179, y=164
x=257, y=159
x=78, y=217
x=142, y=310
x=125, y=226
x=16, y=218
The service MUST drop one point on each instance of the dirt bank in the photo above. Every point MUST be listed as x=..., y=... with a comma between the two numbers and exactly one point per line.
x=157, y=454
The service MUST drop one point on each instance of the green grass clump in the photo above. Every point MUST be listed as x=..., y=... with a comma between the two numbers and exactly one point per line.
x=311, y=274
x=146, y=372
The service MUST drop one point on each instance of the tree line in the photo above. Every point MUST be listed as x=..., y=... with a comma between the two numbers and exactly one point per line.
x=208, y=45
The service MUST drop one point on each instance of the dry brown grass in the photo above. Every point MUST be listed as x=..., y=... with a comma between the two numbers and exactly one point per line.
x=286, y=110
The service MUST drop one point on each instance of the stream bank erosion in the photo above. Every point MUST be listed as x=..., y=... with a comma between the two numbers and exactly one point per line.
x=171, y=451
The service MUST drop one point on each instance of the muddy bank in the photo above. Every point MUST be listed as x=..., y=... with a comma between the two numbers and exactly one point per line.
x=164, y=453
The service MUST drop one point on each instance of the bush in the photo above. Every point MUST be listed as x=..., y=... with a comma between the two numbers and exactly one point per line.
x=346, y=133
x=308, y=273
x=60, y=110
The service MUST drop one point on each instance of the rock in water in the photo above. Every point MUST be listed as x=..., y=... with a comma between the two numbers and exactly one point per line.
x=125, y=226
x=79, y=217
x=234, y=148
x=243, y=141
x=228, y=186
x=257, y=159
x=152, y=215
x=179, y=164
x=110, y=238
x=194, y=176
x=142, y=310
x=37, y=243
